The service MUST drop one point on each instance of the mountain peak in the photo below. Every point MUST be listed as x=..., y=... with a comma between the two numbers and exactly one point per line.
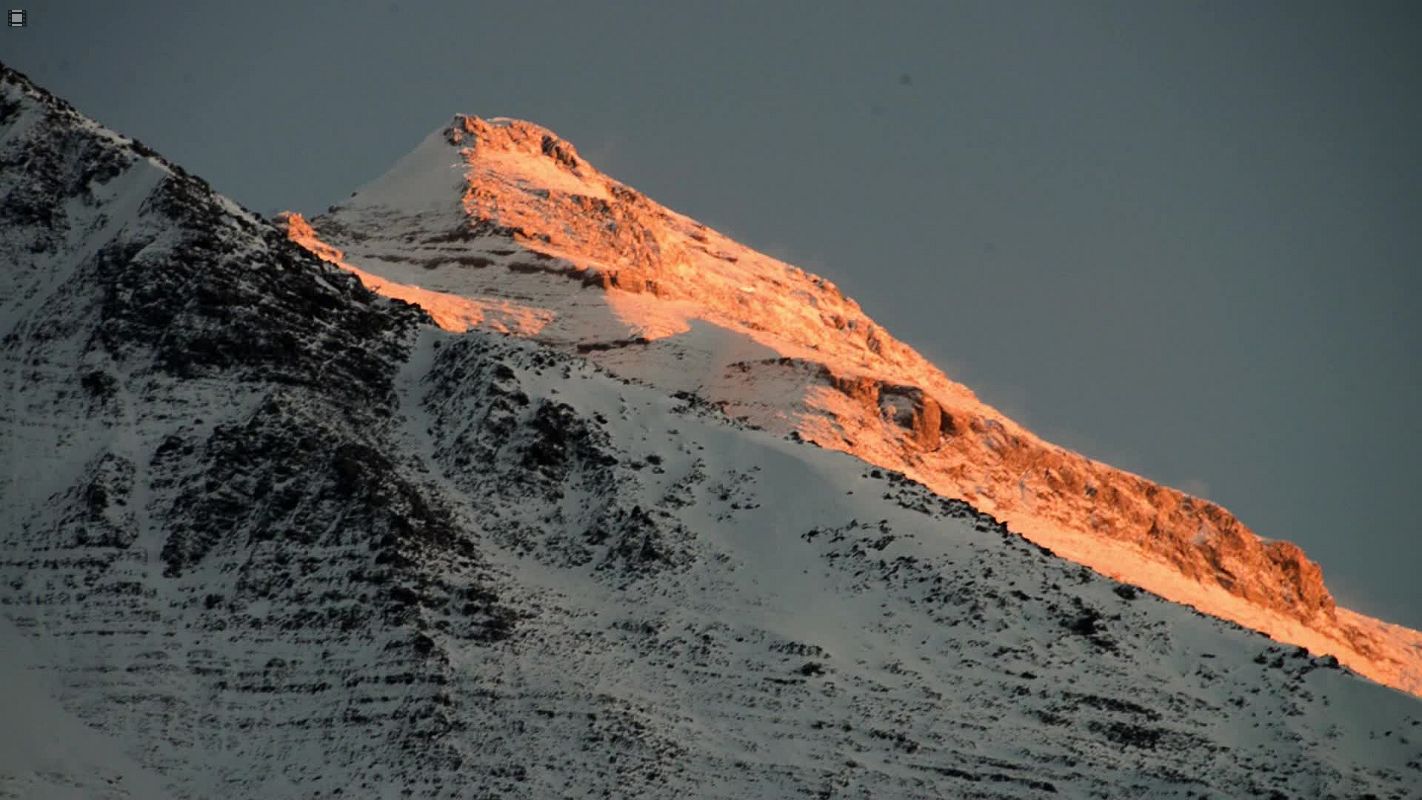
x=501, y=224
x=513, y=136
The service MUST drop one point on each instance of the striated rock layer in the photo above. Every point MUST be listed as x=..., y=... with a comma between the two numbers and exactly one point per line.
x=501, y=224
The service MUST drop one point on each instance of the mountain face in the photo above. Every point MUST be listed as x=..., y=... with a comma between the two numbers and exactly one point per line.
x=499, y=224
x=268, y=533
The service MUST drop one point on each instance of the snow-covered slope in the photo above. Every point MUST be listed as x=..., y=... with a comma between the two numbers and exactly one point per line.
x=499, y=224
x=45, y=752
x=266, y=534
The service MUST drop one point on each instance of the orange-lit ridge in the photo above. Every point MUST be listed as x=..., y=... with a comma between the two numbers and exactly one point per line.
x=501, y=224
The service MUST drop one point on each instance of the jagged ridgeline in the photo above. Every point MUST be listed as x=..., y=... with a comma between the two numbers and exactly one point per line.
x=268, y=533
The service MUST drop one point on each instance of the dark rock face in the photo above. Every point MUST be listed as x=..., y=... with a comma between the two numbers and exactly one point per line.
x=217, y=408
x=541, y=453
x=560, y=151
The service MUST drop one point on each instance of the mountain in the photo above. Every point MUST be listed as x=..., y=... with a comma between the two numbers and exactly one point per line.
x=268, y=533
x=501, y=225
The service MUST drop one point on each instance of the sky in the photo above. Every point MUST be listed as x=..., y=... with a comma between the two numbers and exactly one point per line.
x=1183, y=238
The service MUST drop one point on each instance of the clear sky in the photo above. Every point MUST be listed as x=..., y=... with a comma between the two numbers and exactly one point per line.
x=1183, y=238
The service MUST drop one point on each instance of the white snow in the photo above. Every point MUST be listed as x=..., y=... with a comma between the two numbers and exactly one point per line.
x=695, y=607
x=429, y=178
x=46, y=753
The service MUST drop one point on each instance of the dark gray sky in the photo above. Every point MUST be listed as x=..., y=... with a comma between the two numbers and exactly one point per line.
x=1184, y=238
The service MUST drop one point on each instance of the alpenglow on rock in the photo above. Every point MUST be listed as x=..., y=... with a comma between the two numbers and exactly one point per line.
x=500, y=224
x=265, y=533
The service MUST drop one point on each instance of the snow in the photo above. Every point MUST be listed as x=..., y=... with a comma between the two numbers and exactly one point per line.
x=429, y=178
x=593, y=268
x=419, y=562
x=889, y=652
x=46, y=753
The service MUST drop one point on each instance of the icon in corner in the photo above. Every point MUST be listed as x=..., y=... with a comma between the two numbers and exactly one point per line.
x=17, y=18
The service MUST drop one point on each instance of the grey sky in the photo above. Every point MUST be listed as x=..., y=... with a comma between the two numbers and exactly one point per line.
x=1182, y=238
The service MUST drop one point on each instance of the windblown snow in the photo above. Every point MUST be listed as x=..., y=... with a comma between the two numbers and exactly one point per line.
x=267, y=533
